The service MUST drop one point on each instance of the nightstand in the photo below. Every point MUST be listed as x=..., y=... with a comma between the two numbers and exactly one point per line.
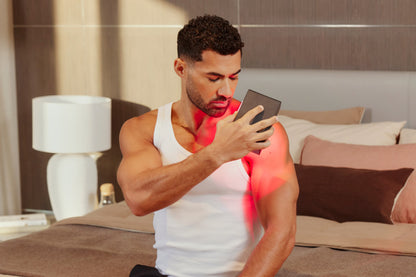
x=15, y=226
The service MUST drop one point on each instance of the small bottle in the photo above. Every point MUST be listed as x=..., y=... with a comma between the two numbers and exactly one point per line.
x=107, y=195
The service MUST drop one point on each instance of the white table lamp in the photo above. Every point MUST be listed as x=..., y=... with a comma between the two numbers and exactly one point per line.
x=75, y=127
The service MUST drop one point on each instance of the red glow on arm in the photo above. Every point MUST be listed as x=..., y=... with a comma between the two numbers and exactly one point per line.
x=269, y=170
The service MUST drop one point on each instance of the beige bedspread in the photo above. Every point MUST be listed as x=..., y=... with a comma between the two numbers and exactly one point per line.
x=116, y=216
x=368, y=237
x=107, y=242
x=110, y=241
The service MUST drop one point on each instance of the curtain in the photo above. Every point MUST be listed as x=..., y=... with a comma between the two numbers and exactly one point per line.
x=10, y=202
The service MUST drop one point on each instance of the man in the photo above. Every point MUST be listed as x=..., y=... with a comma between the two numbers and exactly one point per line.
x=192, y=165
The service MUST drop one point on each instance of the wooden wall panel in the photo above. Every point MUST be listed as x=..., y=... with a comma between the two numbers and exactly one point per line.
x=330, y=48
x=325, y=34
x=371, y=12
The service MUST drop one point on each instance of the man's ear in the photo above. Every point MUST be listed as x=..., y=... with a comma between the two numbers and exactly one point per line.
x=180, y=67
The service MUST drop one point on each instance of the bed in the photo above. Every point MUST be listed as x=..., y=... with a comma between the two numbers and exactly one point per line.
x=329, y=133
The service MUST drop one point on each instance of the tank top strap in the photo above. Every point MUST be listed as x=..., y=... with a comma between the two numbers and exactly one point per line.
x=163, y=124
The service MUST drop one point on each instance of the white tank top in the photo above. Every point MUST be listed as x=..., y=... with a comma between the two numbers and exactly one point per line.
x=212, y=229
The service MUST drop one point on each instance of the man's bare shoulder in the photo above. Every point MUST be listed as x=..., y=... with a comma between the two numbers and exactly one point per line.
x=140, y=126
x=276, y=153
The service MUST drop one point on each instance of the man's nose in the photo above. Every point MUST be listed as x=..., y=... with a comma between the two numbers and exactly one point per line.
x=226, y=89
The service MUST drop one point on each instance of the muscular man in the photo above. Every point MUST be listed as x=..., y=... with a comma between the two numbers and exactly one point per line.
x=219, y=209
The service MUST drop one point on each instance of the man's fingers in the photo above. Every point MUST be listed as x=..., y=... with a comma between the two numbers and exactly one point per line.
x=265, y=123
x=260, y=136
x=262, y=144
x=252, y=113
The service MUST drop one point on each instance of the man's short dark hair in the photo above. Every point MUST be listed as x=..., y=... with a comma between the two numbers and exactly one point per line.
x=208, y=32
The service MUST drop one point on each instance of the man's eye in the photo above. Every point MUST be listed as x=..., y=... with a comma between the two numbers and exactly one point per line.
x=213, y=79
x=234, y=78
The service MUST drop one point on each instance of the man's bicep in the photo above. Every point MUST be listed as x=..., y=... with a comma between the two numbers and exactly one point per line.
x=273, y=167
x=139, y=154
x=133, y=164
x=276, y=199
x=273, y=180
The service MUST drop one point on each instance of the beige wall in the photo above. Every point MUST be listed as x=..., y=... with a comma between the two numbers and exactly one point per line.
x=120, y=49
x=9, y=147
x=125, y=49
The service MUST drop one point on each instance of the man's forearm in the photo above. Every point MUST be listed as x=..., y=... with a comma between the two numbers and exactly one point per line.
x=159, y=187
x=269, y=254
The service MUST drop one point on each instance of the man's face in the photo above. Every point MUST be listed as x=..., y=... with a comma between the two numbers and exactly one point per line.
x=210, y=83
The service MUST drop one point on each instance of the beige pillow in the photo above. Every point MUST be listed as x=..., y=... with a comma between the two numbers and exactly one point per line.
x=344, y=116
x=407, y=136
x=325, y=153
x=377, y=133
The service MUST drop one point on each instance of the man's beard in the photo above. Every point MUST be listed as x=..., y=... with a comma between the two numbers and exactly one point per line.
x=198, y=102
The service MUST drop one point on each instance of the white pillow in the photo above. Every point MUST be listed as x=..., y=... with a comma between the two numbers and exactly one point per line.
x=407, y=136
x=377, y=133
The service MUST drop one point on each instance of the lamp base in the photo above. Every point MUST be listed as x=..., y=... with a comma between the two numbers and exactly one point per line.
x=72, y=184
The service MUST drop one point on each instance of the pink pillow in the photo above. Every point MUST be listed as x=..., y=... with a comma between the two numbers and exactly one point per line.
x=325, y=153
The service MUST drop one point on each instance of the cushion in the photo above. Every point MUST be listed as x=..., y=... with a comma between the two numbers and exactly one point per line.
x=344, y=116
x=321, y=152
x=347, y=194
x=407, y=136
x=377, y=133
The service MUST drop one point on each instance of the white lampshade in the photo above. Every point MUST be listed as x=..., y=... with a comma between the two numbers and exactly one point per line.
x=71, y=123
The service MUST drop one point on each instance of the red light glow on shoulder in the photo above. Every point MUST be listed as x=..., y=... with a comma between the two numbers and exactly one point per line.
x=268, y=170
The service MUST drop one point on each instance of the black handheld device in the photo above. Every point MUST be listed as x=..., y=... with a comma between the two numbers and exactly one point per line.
x=253, y=99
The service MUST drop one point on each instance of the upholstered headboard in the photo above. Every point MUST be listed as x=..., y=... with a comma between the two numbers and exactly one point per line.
x=386, y=95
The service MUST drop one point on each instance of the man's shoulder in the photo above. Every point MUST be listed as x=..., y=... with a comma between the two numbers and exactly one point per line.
x=146, y=118
x=142, y=125
x=275, y=153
